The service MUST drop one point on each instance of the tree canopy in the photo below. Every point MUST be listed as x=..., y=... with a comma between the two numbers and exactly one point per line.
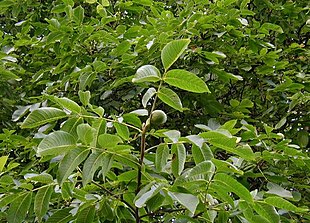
x=154, y=111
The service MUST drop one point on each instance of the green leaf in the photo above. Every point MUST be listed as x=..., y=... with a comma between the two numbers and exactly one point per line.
x=186, y=80
x=284, y=204
x=92, y=163
x=6, y=3
x=278, y=190
x=270, y=26
x=187, y=200
x=220, y=192
x=109, y=140
x=78, y=14
x=42, y=116
x=170, y=98
x=267, y=211
x=43, y=178
x=172, y=51
x=70, y=125
x=178, y=159
x=225, y=76
x=203, y=170
x=224, y=166
x=56, y=143
x=19, y=208
x=147, y=96
x=61, y=216
x=41, y=201
x=100, y=125
x=234, y=186
x=122, y=130
x=106, y=210
x=105, y=3
x=10, y=198
x=86, y=133
x=201, y=154
x=161, y=157
x=146, y=193
x=173, y=135
x=107, y=162
x=70, y=161
x=223, y=140
x=3, y=160
x=91, y=1
x=280, y=123
x=86, y=215
x=86, y=79
x=66, y=103
x=84, y=97
x=147, y=73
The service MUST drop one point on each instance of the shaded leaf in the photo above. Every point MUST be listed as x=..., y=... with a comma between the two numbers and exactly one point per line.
x=61, y=216
x=267, y=211
x=86, y=215
x=70, y=161
x=234, y=186
x=41, y=201
x=19, y=208
x=92, y=163
x=224, y=140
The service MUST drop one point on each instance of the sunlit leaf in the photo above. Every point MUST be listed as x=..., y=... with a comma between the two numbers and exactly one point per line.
x=161, y=157
x=187, y=200
x=178, y=158
x=170, y=98
x=42, y=116
x=147, y=73
x=186, y=80
x=147, y=96
x=56, y=143
x=284, y=204
x=172, y=51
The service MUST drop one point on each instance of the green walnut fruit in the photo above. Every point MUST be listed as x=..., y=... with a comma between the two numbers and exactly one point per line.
x=158, y=117
x=303, y=138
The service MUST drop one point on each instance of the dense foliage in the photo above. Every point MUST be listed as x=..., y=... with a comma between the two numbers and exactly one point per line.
x=154, y=111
